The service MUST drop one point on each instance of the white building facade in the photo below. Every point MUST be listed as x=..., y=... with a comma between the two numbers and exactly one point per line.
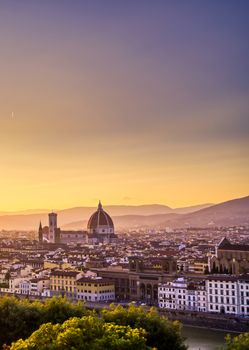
x=243, y=290
x=223, y=294
x=181, y=295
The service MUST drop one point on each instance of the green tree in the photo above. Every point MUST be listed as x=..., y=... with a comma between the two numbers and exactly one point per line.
x=161, y=333
x=240, y=342
x=59, y=309
x=20, y=318
x=17, y=318
x=86, y=333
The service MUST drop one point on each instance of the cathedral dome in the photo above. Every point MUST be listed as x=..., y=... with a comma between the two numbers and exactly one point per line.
x=100, y=220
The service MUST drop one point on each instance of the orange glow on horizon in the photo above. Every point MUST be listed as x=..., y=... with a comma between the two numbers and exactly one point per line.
x=97, y=104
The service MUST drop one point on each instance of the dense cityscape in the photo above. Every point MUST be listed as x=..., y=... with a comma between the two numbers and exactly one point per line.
x=190, y=269
x=124, y=193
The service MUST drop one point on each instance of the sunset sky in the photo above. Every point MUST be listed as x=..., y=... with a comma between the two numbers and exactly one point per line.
x=130, y=102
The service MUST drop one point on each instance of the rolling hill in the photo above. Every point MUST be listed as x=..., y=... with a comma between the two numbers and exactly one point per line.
x=128, y=221
x=75, y=217
x=229, y=213
x=233, y=212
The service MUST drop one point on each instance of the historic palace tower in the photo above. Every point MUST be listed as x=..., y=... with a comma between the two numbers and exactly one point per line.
x=52, y=222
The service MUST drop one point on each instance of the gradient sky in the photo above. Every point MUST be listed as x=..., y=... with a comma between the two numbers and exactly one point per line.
x=126, y=101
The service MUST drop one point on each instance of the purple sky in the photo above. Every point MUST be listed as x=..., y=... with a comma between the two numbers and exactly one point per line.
x=112, y=98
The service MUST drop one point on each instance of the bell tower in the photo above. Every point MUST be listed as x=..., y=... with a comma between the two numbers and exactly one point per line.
x=40, y=233
x=52, y=219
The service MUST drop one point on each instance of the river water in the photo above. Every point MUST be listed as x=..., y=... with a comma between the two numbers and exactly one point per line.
x=203, y=338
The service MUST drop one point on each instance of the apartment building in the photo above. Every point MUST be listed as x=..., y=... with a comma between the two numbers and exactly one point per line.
x=243, y=290
x=95, y=289
x=182, y=295
x=223, y=294
x=63, y=282
x=38, y=285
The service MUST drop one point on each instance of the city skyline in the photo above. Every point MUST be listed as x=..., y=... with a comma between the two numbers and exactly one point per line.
x=124, y=102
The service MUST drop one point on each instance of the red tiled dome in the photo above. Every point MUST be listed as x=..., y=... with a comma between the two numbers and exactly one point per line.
x=100, y=219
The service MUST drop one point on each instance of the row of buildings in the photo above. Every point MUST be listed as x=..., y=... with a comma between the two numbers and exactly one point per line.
x=218, y=293
x=213, y=293
x=75, y=285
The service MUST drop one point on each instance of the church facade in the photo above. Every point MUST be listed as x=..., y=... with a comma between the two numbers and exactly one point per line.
x=100, y=229
x=230, y=258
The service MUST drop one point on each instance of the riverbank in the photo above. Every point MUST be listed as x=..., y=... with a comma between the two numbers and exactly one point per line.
x=198, y=338
x=212, y=329
x=209, y=321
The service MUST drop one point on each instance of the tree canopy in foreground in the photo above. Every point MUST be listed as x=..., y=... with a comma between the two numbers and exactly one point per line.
x=58, y=324
x=86, y=333
x=20, y=318
x=240, y=342
x=161, y=332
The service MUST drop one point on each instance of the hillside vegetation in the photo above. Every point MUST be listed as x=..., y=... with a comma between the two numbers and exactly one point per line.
x=57, y=324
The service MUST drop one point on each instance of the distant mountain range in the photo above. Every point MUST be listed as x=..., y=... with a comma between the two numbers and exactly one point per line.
x=76, y=218
x=234, y=212
x=129, y=221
